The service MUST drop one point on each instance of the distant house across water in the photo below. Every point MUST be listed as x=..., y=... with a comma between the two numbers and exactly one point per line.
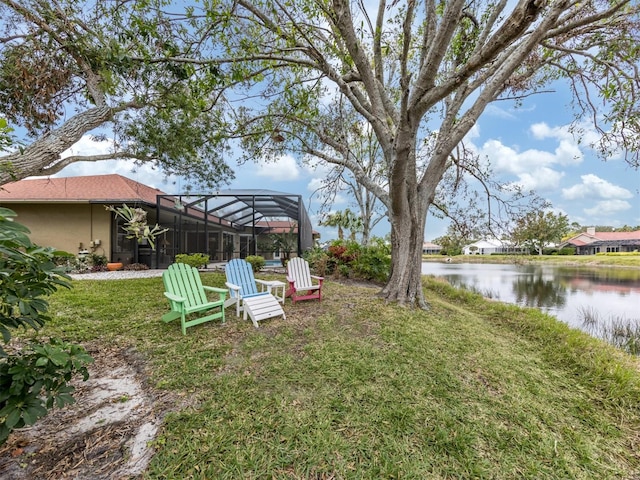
x=490, y=247
x=429, y=248
x=592, y=242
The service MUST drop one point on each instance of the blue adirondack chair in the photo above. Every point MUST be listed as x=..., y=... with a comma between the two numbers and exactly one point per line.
x=187, y=296
x=244, y=293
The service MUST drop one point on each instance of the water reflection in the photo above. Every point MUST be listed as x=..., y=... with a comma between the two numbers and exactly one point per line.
x=535, y=290
x=565, y=292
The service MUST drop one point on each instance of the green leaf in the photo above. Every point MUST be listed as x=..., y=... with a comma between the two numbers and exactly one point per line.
x=64, y=399
x=42, y=361
x=58, y=357
x=13, y=417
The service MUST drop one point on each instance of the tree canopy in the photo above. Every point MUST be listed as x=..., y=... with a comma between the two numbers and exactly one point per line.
x=344, y=220
x=419, y=73
x=538, y=230
x=72, y=68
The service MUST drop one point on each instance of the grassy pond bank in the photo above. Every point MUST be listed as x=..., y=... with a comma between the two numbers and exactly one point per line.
x=352, y=388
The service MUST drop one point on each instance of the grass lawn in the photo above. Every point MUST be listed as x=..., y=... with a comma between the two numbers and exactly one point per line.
x=351, y=388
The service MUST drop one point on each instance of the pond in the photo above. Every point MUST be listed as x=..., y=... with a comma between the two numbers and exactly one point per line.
x=610, y=295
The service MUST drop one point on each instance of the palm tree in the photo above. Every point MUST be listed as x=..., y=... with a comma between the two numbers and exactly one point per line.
x=353, y=223
x=334, y=220
x=344, y=220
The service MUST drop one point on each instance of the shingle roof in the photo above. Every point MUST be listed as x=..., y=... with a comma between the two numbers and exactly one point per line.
x=92, y=188
x=618, y=235
x=279, y=226
x=599, y=236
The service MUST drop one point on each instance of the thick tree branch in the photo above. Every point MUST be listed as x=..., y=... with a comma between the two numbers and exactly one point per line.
x=66, y=161
x=45, y=151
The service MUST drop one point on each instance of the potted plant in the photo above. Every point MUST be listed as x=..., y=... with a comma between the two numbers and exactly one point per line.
x=136, y=226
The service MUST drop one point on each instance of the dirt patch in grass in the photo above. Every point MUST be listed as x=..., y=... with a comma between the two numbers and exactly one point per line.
x=104, y=435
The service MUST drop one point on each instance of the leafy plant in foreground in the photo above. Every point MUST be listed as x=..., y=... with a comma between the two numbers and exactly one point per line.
x=35, y=378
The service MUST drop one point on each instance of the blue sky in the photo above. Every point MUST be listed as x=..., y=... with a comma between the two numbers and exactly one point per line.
x=531, y=145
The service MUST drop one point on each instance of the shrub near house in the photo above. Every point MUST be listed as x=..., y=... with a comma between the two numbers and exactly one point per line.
x=346, y=258
x=198, y=260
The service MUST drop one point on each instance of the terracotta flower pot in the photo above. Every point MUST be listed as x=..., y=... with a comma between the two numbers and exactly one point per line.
x=114, y=266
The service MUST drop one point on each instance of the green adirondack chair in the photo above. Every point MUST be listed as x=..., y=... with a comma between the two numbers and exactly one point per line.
x=187, y=296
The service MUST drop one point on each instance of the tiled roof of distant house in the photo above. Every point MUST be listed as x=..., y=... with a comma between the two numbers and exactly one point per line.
x=618, y=235
x=587, y=238
x=578, y=243
x=92, y=188
x=280, y=226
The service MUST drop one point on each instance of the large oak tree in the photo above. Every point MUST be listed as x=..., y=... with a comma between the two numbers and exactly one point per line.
x=421, y=73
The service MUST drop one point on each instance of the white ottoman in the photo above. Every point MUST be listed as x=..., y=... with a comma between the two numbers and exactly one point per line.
x=260, y=307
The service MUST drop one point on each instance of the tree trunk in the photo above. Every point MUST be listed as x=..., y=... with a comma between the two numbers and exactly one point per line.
x=407, y=237
x=365, y=235
x=407, y=212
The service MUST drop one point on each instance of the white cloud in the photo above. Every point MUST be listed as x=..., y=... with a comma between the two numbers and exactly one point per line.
x=541, y=130
x=284, y=169
x=607, y=208
x=568, y=151
x=540, y=179
x=87, y=146
x=593, y=186
x=314, y=184
x=536, y=169
x=531, y=167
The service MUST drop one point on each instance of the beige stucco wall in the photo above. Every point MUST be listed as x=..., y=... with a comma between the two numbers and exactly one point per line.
x=65, y=226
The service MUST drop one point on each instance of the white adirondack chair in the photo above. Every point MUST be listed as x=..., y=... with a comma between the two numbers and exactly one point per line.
x=301, y=282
